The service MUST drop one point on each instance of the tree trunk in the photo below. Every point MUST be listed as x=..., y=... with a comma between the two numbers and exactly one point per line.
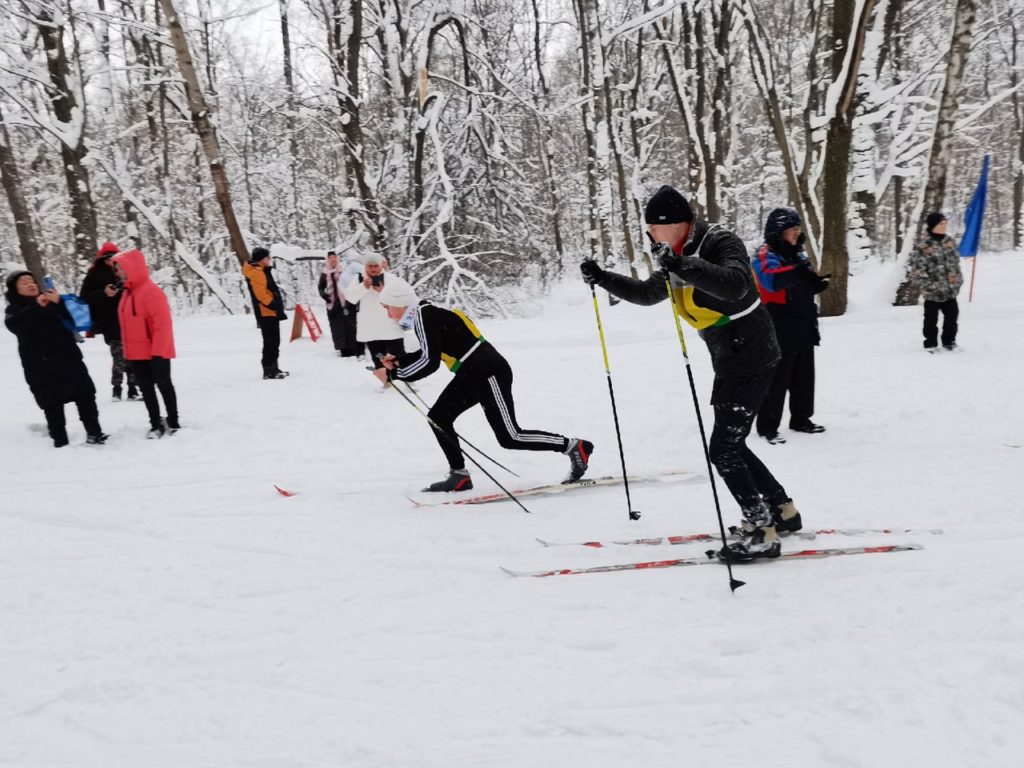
x=72, y=119
x=544, y=132
x=938, y=162
x=293, y=149
x=346, y=35
x=11, y=178
x=200, y=113
x=848, y=32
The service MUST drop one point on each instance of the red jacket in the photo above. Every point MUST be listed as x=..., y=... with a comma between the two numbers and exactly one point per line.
x=144, y=314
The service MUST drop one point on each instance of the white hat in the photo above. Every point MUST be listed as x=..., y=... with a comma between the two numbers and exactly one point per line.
x=397, y=293
x=373, y=258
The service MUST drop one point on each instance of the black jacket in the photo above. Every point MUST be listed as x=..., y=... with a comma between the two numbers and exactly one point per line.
x=50, y=356
x=788, y=286
x=722, y=282
x=444, y=335
x=102, y=308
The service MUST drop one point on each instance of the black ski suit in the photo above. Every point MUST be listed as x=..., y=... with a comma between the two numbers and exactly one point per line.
x=743, y=347
x=482, y=376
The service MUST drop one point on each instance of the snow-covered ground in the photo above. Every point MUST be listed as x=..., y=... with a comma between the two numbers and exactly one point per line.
x=161, y=606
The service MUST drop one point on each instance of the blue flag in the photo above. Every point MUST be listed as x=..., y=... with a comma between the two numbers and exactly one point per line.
x=975, y=213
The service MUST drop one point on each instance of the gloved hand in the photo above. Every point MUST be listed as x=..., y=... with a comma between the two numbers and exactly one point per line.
x=822, y=282
x=670, y=262
x=592, y=272
x=818, y=283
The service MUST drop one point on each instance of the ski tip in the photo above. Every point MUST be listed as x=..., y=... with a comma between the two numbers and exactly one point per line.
x=542, y=543
x=510, y=572
x=283, y=492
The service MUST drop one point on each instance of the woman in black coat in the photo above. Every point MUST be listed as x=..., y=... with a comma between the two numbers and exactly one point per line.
x=50, y=357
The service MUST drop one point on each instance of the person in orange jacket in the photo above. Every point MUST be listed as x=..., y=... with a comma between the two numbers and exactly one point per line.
x=268, y=306
x=147, y=333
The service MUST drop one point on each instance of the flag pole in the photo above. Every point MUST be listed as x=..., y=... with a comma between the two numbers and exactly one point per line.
x=970, y=293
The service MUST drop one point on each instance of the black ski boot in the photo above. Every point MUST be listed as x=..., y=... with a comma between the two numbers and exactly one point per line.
x=133, y=393
x=97, y=438
x=156, y=431
x=117, y=393
x=457, y=480
x=761, y=542
x=60, y=437
x=579, y=452
x=275, y=374
x=787, y=518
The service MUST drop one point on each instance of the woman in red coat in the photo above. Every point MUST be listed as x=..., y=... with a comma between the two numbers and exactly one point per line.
x=147, y=334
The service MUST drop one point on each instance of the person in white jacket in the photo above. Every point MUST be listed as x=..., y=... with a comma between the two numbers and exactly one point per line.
x=382, y=335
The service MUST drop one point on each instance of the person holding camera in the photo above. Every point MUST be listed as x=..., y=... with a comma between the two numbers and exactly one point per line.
x=147, y=331
x=50, y=357
x=788, y=285
x=482, y=376
x=381, y=334
x=268, y=306
x=713, y=290
x=101, y=290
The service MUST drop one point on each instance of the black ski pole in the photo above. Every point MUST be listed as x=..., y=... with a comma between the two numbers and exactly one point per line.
x=734, y=583
x=448, y=437
x=634, y=514
x=492, y=460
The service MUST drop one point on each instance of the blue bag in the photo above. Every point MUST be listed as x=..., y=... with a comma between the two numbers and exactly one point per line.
x=78, y=310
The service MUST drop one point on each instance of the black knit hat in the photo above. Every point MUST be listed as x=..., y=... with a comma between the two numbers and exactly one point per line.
x=933, y=220
x=778, y=221
x=11, y=282
x=259, y=254
x=667, y=206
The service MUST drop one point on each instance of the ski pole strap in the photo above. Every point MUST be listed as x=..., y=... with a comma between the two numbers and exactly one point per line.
x=457, y=362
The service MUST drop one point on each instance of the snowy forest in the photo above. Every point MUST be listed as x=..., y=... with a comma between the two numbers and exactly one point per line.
x=485, y=147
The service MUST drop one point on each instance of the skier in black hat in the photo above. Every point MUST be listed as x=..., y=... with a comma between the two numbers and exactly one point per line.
x=714, y=291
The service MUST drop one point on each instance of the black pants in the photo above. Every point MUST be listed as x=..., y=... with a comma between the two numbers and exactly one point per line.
x=793, y=374
x=490, y=385
x=350, y=321
x=270, y=327
x=394, y=347
x=950, y=312
x=151, y=375
x=87, y=412
x=746, y=477
x=336, y=319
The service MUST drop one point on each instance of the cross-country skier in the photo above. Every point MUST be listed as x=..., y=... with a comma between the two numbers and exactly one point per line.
x=714, y=291
x=482, y=376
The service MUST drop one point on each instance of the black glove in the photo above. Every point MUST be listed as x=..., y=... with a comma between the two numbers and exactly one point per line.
x=821, y=282
x=592, y=272
x=670, y=262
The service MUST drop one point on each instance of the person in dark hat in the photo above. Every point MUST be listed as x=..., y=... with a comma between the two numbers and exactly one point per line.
x=713, y=290
x=268, y=306
x=788, y=284
x=50, y=357
x=101, y=290
x=934, y=266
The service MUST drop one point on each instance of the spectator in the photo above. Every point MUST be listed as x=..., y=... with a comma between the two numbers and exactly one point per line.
x=268, y=306
x=350, y=320
x=330, y=291
x=148, y=335
x=934, y=266
x=787, y=286
x=101, y=290
x=381, y=334
x=50, y=357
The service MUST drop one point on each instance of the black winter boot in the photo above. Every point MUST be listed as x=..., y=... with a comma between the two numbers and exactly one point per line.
x=97, y=438
x=133, y=393
x=60, y=437
x=457, y=480
x=117, y=393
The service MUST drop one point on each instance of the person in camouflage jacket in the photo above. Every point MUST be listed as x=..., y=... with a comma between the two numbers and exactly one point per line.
x=934, y=267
